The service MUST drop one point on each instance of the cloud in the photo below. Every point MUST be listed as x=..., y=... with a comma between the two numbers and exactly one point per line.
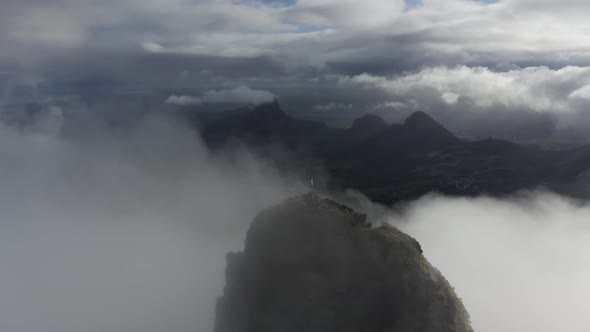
x=394, y=105
x=101, y=232
x=536, y=88
x=519, y=263
x=239, y=95
x=384, y=35
x=152, y=214
x=152, y=47
x=183, y=100
x=581, y=93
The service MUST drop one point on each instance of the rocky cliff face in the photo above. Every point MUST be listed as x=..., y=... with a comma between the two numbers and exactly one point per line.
x=313, y=265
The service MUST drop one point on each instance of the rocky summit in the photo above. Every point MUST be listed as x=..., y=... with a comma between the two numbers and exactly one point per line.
x=313, y=265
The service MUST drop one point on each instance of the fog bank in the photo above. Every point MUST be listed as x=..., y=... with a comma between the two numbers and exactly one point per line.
x=112, y=231
x=519, y=264
x=122, y=232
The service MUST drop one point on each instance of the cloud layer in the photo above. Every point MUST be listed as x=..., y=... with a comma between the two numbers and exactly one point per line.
x=128, y=231
x=536, y=88
x=100, y=232
x=520, y=264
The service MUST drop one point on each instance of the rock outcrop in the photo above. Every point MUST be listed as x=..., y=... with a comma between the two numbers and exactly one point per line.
x=314, y=265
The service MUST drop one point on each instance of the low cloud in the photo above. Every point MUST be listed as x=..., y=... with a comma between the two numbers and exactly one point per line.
x=103, y=232
x=239, y=95
x=519, y=264
x=395, y=105
x=152, y=214
x=539, y=89
x=183, y=100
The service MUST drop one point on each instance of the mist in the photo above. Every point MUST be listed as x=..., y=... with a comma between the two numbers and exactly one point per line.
x=128, y=231
x=119, y=231
x=520, y=264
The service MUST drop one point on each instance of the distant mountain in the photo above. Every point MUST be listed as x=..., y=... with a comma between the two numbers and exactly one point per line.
x=368, y=124
x=260, y=124
x=268, y=121
x=314, y=265
x=386, y=162
x=403, y=161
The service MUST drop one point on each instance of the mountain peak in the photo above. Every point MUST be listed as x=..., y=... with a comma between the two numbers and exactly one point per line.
x=312, y=264
x=369, y=122
x=431, y=134
x=420, y=119
x=271, y=110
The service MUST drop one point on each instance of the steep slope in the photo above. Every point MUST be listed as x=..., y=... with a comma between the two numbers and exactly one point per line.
x=420, y=123
x=313, y=265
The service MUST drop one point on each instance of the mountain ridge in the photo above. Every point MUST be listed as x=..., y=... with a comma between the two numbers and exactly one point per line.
x=386, y=162
x=404, y=161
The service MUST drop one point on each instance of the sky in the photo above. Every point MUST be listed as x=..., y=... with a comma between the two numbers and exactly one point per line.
x=507, y=68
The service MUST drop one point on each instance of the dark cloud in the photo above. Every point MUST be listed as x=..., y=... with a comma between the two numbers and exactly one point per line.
x=294, y=50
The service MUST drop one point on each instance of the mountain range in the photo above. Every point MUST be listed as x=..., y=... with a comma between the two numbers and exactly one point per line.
x=394, y=162
x=386, y=162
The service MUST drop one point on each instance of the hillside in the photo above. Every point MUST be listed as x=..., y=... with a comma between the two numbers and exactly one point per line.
x=314, y=265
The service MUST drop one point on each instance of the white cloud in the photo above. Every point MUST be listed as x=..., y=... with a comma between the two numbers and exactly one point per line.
x=152, y=47
x=112, y=234
x=240, y=95
x=183, y=100
x=581, y=93
x=391, y=104
x=519, y=264
x=537, y=88
x=450, y=97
